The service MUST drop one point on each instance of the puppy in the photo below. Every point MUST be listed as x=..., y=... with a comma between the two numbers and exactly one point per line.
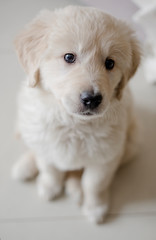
x=75, y=109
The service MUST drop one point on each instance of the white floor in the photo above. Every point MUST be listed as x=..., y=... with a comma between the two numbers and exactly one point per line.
x=23, y=216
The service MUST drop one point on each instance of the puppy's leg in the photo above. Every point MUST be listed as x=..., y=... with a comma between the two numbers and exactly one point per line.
x=25, y=168
x=50, y=183
x=95, y=183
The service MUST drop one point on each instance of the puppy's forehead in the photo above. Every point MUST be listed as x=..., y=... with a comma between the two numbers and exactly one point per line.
x=80, y=30
x=83, y=26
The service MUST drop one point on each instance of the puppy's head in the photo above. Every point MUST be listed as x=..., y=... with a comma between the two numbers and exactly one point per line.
x=81, y=55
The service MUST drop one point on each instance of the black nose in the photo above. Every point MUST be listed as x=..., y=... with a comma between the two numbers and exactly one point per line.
x=91, y=100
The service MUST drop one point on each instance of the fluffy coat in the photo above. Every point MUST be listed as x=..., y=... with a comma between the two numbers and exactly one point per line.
x=62, y=136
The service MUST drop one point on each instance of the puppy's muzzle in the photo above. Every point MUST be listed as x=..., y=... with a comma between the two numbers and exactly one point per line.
x=90, y=100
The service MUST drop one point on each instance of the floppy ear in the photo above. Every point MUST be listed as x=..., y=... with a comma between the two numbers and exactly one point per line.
x=136, y=57
x=135, y=61
x=31, y=44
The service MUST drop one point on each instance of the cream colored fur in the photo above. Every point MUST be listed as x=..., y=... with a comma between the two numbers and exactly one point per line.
x=52, y=121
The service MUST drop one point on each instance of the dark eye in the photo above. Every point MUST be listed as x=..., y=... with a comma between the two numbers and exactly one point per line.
x=69, y=57
x=109, y=63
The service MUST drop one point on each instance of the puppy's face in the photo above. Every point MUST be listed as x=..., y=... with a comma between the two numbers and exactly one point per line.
x=82, y=56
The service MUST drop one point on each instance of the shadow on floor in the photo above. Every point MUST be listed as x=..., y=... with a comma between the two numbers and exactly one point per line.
x=134, y=186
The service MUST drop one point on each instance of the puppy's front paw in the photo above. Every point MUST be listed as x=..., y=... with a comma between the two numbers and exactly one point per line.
x=96, y=214
x=25, y=168
x=48, y=187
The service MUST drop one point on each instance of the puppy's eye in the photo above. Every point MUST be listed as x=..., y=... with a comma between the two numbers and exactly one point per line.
x=109, y=63
x=69, y=57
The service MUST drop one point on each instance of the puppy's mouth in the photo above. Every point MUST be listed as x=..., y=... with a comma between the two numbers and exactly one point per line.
x=83, y=112
x=87, y=114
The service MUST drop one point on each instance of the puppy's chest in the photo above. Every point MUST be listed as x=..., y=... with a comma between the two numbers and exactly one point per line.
x=74, y=146
x=66, y=143
x=77, y=138
x=49, y=127
x=63, y=133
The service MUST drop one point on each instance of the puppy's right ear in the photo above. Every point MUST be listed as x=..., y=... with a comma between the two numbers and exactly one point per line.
x=31, y=44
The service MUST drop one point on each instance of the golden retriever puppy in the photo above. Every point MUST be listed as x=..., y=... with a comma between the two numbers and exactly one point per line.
x=75, y=109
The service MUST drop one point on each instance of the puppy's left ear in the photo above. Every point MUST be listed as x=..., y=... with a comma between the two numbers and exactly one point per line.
x=136, y=56
x=31, y=44
x=134, y=63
